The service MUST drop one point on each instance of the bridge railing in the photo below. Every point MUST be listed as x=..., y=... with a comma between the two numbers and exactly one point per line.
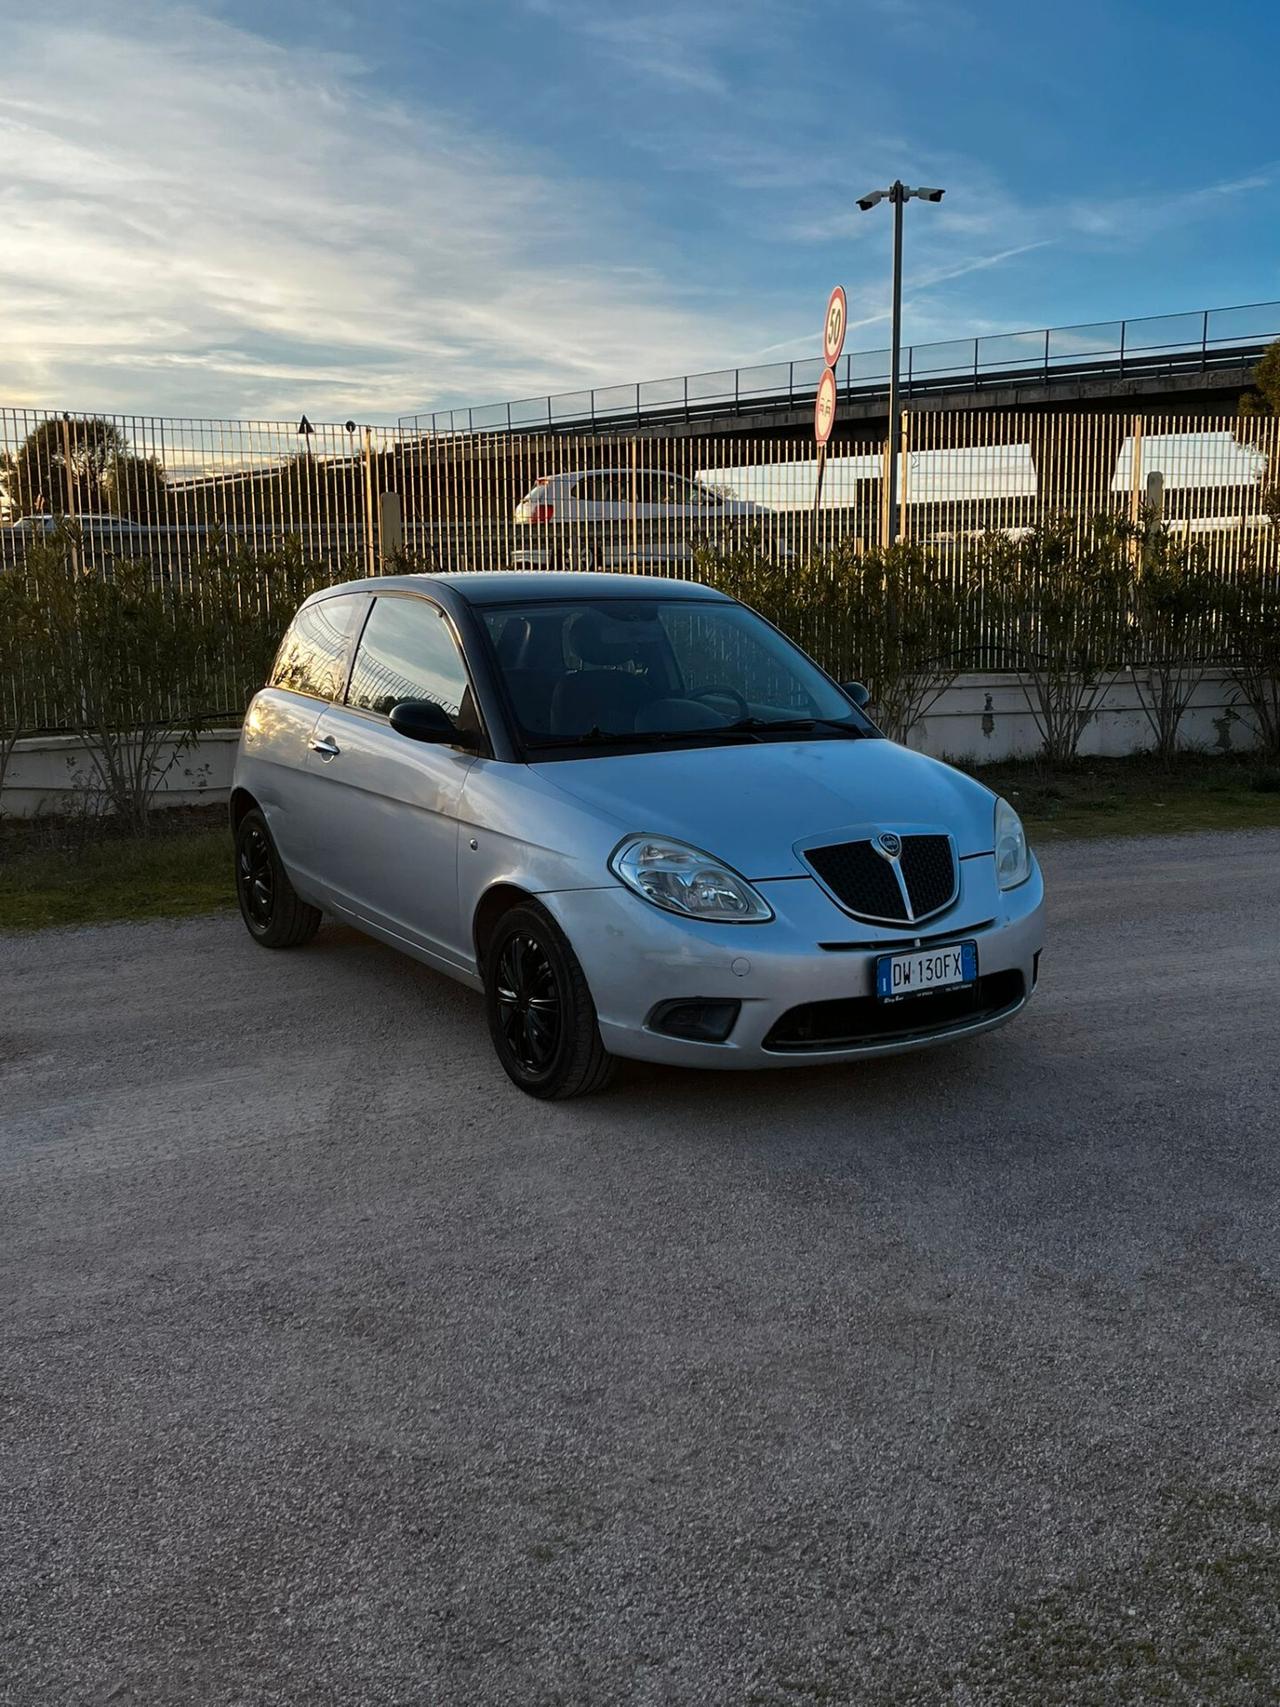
x=1170, y=342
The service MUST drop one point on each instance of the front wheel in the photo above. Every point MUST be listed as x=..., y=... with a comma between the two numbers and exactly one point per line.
x=541, y=1016
x=273, y=911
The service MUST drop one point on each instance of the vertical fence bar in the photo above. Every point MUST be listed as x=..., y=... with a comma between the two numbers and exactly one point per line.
x=370, y=552
x=903, y=460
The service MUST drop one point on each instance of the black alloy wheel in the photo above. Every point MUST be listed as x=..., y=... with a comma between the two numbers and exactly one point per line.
x=274, y=912
x=528, y=1003
x=541, y=1016
x=255, y=879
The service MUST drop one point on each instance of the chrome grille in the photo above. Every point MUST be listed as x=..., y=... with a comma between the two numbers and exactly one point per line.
x=919, y=883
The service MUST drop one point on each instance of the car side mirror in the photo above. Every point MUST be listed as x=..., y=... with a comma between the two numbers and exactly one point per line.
x=860, y=695
x=423, y=720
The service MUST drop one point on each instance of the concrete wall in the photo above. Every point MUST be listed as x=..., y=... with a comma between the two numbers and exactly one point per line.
x=982, y=718
x=51, y=773
x=985, y=718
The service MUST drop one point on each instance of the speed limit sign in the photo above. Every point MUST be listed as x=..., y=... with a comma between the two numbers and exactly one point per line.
x=834, y=326
x=824, y=410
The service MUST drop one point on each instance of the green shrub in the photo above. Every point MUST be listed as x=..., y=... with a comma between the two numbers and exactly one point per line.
x=1177, y=597
x=1058, y=596
x=136, y=660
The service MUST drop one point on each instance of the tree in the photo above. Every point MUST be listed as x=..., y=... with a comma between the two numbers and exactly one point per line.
x=1176, y=598
x=910, y=629
x=1251, y=619
x=83, y=466
x=1265, y=398
x=16, y=713
x=117, y=659
x=1058, y=597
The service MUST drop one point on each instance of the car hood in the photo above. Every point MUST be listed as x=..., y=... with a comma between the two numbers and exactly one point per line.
x=751, y=805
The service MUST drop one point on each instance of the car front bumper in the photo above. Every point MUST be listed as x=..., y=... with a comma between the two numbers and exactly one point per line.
x=637, y=957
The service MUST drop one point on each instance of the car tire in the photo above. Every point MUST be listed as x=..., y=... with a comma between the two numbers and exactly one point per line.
x=275, y=915
x=541, y=1017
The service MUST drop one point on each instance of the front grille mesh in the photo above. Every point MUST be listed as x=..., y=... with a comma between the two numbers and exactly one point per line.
x=864, y=881
x=930, y=871
x=860, y=878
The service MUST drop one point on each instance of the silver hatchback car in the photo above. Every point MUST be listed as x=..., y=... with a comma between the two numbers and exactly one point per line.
x=634, y=815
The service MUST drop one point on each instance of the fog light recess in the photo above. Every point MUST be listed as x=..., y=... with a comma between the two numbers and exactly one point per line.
x=695, y=1021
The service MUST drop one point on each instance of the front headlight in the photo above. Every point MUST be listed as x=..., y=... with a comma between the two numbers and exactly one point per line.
x=685, y=880
x=1013, y=859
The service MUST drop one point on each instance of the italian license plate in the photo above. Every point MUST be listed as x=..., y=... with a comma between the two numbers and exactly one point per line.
x=925, y=969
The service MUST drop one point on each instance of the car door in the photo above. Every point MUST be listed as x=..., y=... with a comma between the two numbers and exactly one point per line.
x=601, y=513
x=391, y=803
x=666, y=516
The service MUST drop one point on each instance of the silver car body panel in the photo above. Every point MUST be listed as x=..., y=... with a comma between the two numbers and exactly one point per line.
x=406, y=840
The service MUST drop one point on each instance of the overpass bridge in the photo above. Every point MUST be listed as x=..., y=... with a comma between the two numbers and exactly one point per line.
x=1197, y=362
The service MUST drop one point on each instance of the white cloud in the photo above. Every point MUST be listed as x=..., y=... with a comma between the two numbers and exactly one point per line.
x=197, y=221
x=677, y=45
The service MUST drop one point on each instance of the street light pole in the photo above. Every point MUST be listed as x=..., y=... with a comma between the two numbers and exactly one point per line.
x=898, y=195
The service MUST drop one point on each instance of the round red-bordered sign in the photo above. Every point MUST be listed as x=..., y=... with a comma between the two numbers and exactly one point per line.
x=824, y=408
x=833, y=327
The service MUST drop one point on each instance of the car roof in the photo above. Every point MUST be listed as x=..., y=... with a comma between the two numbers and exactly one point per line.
x=586, y=473
x=525, y=586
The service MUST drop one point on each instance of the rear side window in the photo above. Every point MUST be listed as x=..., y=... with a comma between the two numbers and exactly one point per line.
x=313, y=656
x=607, y=488
x=407, y=651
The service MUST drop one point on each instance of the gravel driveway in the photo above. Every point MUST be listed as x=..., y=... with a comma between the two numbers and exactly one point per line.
x=332, y=1370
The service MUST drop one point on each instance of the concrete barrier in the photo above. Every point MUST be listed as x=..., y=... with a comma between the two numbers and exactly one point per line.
x=54, y=773
x=985, y=718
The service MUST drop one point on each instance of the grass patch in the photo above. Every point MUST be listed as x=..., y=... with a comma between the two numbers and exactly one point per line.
x=169, y=875
x=1136, y=797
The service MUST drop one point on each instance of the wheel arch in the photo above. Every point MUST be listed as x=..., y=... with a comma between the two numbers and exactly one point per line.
x=496, y=901
x=238, y=805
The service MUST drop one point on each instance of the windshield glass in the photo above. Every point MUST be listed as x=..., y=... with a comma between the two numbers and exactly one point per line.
x=642, y=671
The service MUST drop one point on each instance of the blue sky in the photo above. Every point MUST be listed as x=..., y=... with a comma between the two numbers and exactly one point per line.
x=358, y=209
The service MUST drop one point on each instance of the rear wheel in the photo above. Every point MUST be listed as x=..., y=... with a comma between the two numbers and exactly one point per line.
x=541, y=1016
x=274, y=913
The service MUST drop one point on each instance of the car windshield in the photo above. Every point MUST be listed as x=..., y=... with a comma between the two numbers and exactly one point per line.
x=643, y=672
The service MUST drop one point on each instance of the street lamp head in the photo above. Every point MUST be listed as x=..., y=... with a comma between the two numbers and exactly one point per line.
x=866, y=203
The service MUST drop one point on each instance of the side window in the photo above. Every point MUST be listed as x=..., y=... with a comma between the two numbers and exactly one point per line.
x=652, y=488
x=408, y=652
x=669, y=490
x=607, y=488
x=313, y=655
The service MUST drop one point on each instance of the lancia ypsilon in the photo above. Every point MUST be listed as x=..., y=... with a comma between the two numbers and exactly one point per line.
x=636, y=816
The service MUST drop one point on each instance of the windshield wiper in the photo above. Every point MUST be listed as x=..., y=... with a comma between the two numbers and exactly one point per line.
x=767, y=725
x=597, y=737
x=747, y=728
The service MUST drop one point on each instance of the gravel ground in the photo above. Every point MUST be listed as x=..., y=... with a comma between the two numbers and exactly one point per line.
x=335, y=1371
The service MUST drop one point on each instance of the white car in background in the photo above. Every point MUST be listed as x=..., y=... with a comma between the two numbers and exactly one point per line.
x=624, y=518
x=90, y=524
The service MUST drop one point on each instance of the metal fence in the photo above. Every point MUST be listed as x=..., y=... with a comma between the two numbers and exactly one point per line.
x=168, y=491
x=1166, y=343
x=183, y=496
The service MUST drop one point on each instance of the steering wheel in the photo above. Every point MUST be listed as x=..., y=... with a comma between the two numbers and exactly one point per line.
x=716, y=692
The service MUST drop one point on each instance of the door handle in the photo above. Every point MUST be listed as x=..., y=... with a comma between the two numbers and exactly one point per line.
x=327, y=747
